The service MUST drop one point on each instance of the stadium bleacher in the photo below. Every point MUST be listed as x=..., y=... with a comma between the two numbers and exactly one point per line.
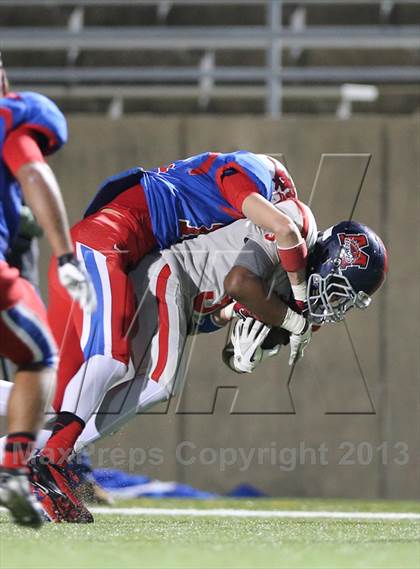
x=264, y=56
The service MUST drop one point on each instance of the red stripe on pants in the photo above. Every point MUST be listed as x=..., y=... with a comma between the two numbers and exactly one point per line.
x=162, y=282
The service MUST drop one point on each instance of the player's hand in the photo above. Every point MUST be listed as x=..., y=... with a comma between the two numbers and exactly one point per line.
x=77, y=282
x=298, y=343
x=247, y=336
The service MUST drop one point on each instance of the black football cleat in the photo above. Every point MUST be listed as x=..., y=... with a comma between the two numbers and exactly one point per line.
x=17, y=497
x=54, y=487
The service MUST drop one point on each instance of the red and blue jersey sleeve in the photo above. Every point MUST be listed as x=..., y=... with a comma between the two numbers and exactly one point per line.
x=241, y=174
x=38, y=114
x=235, y=186
x=45, y=118
x=30, y=124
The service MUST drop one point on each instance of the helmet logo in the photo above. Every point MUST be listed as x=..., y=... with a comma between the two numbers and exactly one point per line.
x=352, y=252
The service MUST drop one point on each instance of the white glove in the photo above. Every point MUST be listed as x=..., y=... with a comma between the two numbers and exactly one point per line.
x=298, y=343
x=77, y=282
x=247, y=337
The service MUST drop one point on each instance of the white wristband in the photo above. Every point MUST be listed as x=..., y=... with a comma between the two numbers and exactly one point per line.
x=299, y=291
x=293, y=322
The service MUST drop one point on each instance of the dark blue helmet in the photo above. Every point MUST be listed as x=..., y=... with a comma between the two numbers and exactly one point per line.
x=346, y=266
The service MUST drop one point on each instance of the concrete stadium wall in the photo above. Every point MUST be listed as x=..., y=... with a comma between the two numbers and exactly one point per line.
x=344, y=433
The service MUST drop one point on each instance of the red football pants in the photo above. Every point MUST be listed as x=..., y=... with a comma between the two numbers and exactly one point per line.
x=25, y=337
x=110, y=243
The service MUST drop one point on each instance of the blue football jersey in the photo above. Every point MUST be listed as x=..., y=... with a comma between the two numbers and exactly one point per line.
x=186, y=198
x=41, y=115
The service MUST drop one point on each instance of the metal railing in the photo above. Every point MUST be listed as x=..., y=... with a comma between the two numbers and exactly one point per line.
x=242, y=37
x=273, y=81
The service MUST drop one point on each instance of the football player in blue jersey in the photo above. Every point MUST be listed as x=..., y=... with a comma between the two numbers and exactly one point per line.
x=31, y=127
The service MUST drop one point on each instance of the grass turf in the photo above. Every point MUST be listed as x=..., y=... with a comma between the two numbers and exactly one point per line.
x=170, y=542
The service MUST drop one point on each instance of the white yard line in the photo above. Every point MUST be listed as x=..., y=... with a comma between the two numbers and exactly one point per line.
x=238, y=513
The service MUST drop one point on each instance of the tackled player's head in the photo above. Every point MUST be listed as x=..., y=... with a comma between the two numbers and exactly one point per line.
x=347, y=265
x=4, y=83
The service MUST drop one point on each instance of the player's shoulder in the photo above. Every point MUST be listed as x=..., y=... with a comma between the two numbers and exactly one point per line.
x=240, y=157
x=37, y=103
x=43, y=115
x=255, y=168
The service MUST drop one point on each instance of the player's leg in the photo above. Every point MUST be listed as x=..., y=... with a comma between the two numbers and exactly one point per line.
x=61, y=504
x=103, y=344
x=108, y=243
x=120, y=405
x=157, y=350
x=27, y=341
x=94, y=355
x=158, y=344
x=58, y=503
x=42, y=436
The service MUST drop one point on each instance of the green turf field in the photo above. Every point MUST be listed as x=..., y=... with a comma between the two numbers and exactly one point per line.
x=120, y=541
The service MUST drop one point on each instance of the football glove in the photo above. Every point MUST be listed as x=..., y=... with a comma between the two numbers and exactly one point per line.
x=77, y=282
x=298, y=343
x=247, y=337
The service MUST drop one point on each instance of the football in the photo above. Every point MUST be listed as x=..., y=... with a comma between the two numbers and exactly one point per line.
x=276, y=336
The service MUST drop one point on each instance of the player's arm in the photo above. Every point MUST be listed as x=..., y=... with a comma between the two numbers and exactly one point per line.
x=253, y=292
x=292, y=247
x=245, y=197
x=247, y=282
x=40, y=189
x=42, y=194
x=24, y=158
x=249, y=289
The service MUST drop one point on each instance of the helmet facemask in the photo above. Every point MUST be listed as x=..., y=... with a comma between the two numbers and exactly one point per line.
x=332, y=296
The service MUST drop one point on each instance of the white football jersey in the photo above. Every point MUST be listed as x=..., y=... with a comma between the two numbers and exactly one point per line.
x=203, y=263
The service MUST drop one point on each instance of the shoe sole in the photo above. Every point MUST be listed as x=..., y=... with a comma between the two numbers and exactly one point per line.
x=23, y=512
